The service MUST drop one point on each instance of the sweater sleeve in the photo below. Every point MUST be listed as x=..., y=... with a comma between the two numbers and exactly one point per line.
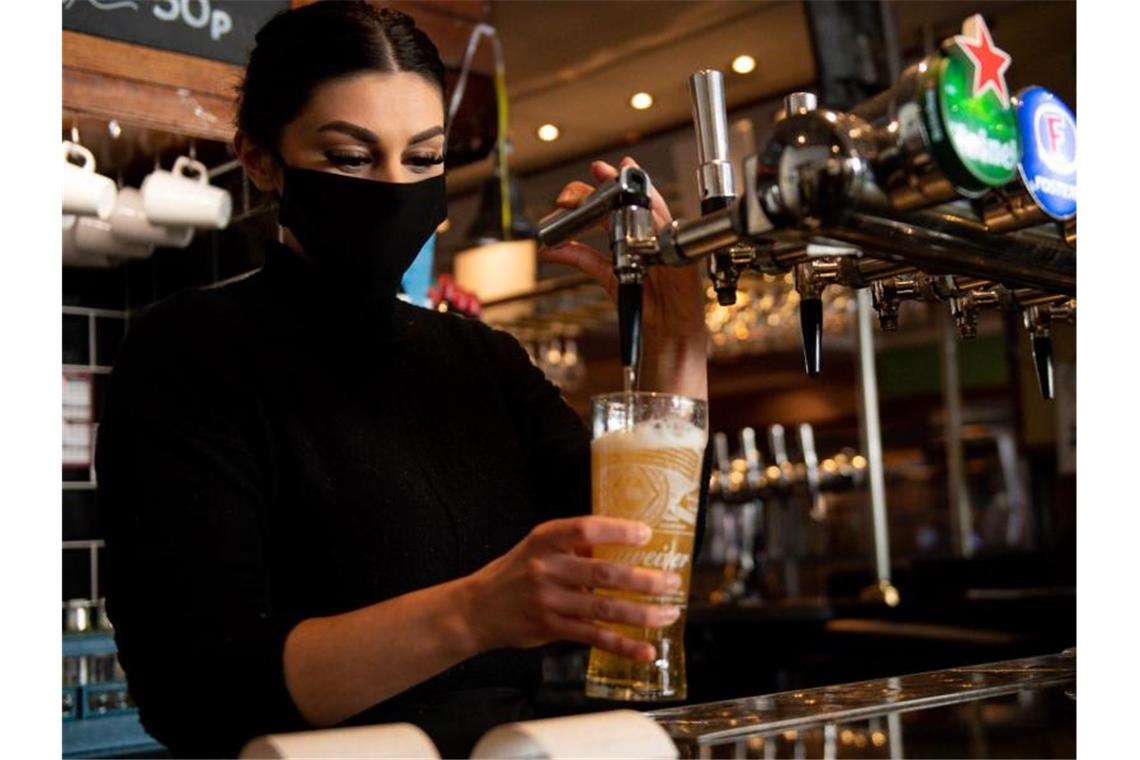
x=183, y=500
x=556, y=440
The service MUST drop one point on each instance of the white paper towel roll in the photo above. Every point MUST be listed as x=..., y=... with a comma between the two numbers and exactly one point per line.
x=392, y=740
x=616, y=734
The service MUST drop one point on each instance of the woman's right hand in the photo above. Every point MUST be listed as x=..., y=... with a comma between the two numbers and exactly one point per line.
x=542, y=590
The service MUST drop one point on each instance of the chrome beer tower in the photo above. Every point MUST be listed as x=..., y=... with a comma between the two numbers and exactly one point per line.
x=856, y=199
x=921, y=192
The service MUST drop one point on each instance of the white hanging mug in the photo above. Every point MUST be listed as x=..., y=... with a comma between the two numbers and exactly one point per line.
x=94, y=237
x=72, y=256
x=129, y=223
x=174, y=199
x=85, y=192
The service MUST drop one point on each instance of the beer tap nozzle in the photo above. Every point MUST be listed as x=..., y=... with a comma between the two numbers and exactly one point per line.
x=887, y=296
x=811, y=324
x=1038, y=321
x=1043, y=362
x=811, y=277
x=725, y=277
x=966, y=303
x=632, y=240
x=629, y=329
x=965, y=315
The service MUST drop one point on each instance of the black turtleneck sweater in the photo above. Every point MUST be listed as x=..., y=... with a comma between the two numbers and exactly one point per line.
x=271, y=451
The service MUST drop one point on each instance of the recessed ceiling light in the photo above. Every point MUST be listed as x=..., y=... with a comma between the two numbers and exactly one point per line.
x=743, y=64
x=641, y=101
x=548, y=133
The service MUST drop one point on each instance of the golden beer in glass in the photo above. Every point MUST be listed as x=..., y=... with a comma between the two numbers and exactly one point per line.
x=646, y=458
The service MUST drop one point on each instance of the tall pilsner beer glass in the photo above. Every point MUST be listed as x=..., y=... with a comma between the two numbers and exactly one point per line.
x=646, y=461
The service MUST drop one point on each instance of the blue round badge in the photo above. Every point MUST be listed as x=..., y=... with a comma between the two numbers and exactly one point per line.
x=1048, y=163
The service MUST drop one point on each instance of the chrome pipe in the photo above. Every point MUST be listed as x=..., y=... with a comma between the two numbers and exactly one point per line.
x=689, y=241
x=875, y=269
x=926, y=247
x=1028, y=297
x=963, y=284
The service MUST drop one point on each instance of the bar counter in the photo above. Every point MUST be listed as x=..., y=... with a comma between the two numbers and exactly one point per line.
x=1015, y=708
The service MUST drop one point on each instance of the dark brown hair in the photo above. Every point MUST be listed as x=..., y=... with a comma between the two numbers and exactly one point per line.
x=300, y=49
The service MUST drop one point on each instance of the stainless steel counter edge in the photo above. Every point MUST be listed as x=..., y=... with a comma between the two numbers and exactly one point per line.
x=716, y=721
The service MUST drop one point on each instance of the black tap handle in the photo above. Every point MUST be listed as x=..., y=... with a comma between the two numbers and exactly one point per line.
x=629, y=322
x=715, y=203
x=1043, y=361
x=811, y=322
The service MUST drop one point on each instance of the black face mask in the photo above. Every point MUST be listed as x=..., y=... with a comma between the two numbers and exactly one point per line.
x=361, y=234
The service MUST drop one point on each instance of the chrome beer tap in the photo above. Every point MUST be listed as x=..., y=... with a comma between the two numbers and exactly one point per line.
x=965, y=307
x=728, y=525
x=752, y=514
x=874, y=197
x=786, y=523
x=887, y=296
x=1038, y=321
x=625, y=201
x=715, y=179
x=818, y=509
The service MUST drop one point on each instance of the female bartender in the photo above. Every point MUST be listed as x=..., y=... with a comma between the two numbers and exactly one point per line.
x=325, y=506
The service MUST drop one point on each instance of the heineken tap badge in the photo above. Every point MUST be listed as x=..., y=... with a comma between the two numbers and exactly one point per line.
x=975, y=130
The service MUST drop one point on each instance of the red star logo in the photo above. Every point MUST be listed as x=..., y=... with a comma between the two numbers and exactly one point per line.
x=990, y=62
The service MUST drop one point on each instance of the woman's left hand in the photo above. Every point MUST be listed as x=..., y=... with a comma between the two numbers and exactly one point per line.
x=674, y=301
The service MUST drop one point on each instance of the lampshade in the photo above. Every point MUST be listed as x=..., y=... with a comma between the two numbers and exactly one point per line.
x=496, y=270
x=498, y=262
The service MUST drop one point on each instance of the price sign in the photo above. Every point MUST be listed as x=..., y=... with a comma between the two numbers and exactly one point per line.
x=216, y=29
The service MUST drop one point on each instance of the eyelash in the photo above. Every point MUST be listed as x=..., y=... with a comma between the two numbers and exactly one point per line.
x=357, y=160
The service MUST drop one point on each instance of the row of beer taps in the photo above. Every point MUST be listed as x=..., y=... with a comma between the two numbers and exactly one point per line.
x=745, y=477
x=755, y=510
x=855, y=199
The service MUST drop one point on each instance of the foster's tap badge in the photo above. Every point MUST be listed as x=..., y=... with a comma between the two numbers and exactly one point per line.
x=1048, y=163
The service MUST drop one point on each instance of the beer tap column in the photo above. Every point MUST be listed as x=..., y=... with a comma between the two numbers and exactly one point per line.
x=732, y=586
x=753, y=513
x=808, y=178
x=714, y=173
x=788, y=519
x=811, y=471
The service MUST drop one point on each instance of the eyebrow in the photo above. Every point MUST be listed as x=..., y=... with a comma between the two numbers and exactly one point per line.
x=426, y=135
x=368, y=136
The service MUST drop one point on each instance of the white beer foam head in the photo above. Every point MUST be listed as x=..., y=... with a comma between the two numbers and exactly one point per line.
x=668, y=433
